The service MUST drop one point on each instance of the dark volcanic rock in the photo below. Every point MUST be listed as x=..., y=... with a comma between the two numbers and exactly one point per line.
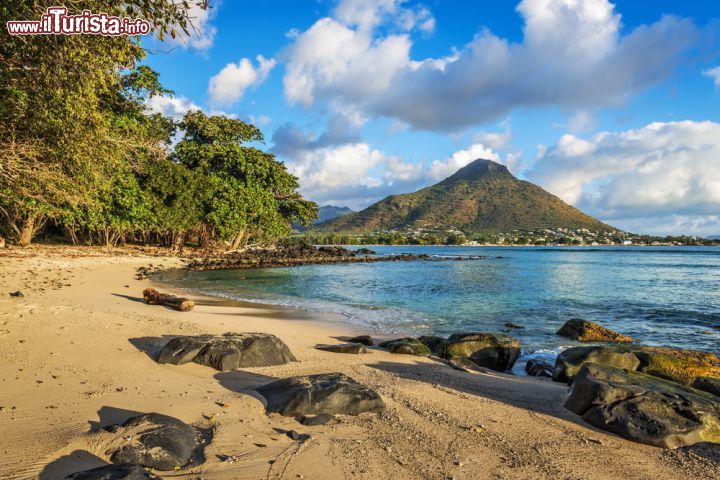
x=315, y=420
x=407, y=346
x=643, y=408
x=329, y=393
x=707, y=384
x=364, y=339
x=343, y=348
x=228, y=351
x=118, y=471
x=465, y=365
x=434, y=343
x=674, y=364
x=155, y=440
x=586, y=331
x=571, y=360
x=490, y=350
x=538, y=368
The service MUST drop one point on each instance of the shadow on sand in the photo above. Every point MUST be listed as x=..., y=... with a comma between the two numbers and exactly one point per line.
x=76, y=461
x=544, y=396
x=111, y=416
x=243, y=382
x=151, y=346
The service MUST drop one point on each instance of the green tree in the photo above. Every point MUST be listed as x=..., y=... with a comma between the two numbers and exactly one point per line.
x=248, y=193
x=58, y=144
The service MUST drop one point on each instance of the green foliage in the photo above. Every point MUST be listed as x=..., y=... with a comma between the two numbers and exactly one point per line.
x=78, y=149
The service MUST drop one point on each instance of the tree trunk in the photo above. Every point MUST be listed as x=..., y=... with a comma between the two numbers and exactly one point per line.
x=238, y=240
x=178, y=242
x=27, y=231
x=205, y=236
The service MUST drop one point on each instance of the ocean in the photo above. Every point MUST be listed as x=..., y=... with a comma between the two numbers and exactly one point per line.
x=658, y=295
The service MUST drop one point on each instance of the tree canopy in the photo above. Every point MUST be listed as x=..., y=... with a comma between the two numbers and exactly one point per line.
x=81, y=156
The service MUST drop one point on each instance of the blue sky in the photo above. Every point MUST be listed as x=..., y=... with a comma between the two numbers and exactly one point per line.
x=611, y=106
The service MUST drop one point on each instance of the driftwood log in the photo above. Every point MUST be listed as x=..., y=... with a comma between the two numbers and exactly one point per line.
x=153, y=297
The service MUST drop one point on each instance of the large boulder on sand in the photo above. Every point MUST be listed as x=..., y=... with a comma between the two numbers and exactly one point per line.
x=587, y=331
x=362, y=339
x=118, y=471
x=707, y=384
x=571, y=360
x=643, y=408
x=674, y=364
x=343, y=348
x=433, y=342
x=407, y=346
x=678, y=364
x=496, y=351
x=227, y=351
x=328, y=393
x=154, y=440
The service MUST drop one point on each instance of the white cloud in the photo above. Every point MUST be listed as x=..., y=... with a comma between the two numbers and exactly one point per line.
x=494, y=140
x=261, y=120
x=663, y=170
x=713, y=73
x=368, y=14
x=337, y=167
x=201, y=33
x=440, y=169
x=573, y=55
x=229, y=85
x=173, y=107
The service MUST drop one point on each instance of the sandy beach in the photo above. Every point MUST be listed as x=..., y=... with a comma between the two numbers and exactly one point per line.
x=77, y=353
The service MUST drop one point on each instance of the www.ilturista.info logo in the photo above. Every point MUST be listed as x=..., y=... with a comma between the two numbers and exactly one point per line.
x=56, y=21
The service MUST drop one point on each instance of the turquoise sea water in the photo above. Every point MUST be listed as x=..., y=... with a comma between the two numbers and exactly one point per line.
x=660, y=296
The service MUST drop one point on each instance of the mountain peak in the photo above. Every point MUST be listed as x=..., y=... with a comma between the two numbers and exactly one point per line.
x=477, y=169
x=483, y=196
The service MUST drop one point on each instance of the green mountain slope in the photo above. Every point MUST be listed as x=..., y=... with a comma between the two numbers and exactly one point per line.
x=480, y=197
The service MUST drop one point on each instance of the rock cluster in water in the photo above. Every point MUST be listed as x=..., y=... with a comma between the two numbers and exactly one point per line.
x=587, y=331
x=643, y=408
x=227, y=351
x=667, y=397
x=294, y=255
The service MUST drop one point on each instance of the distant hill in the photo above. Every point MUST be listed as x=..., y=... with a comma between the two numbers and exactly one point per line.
x=480, y=197
x=326, y=213
x=329, y=212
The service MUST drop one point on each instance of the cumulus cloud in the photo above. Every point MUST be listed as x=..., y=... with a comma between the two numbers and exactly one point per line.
x=173, y=107
x=665, y=170
x=368, y=14
x=495, y=140
x=229, y=85
x=713, y=73
x=572, y=55
x=440, y=169
x=338, y=167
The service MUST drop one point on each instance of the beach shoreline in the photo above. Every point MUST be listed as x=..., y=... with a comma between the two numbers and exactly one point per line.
x=78, y=351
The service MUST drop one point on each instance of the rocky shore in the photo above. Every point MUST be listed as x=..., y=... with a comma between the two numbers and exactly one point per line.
x=296, y=255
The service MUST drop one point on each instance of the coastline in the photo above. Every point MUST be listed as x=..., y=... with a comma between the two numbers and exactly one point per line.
x=77, y=354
